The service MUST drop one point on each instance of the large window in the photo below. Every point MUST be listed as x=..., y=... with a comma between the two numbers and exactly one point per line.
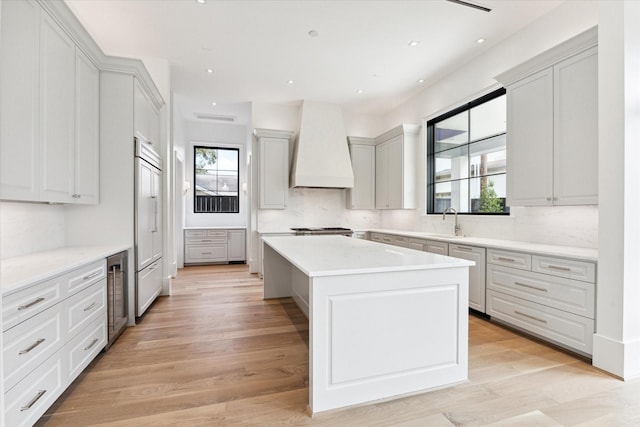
x=466, y=158
x=216, y=180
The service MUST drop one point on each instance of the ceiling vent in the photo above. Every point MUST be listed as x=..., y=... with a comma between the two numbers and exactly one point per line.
x=216, y=117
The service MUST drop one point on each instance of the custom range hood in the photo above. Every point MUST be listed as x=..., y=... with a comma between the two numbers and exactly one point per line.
x=321, y=153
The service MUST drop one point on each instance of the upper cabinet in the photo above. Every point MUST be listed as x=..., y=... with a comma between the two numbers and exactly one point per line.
x=363, y=161
x=146, y=120
x=552, y=126
x=395, y=175
x=273, y=167
x=49, y=109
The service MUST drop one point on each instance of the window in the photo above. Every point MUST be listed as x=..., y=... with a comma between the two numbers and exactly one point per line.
x=216, y=180
x=466, y=158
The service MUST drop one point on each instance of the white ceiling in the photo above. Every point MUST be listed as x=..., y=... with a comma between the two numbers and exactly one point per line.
x=256, y=47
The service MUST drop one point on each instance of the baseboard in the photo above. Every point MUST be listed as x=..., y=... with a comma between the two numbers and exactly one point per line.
x=621, y=359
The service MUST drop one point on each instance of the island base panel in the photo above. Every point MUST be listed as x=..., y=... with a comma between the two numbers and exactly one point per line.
x=384, y=335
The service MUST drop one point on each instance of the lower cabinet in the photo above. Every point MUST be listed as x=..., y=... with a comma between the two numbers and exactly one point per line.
x=476, y=273
x=210, y=246
x=552, y=298
x=57, y=328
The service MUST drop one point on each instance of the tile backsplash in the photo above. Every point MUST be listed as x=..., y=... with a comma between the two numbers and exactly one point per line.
x=30, y=227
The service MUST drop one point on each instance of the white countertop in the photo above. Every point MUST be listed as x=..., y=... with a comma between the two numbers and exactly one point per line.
x=21, y=271
x=338, y=255
x=231, y=227
x=585, y=254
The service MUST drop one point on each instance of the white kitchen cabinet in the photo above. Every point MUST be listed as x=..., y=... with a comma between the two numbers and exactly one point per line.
x=236, y=245
x=208, y=246
x=146, y=121
x=19, y=103
x=148, y=287
x=552, y=126
x=477, y=283
x=395, y=175
x=149, y=205
x=57, y=66
x=363, y=162
x=51, y=338
x=273, y=168
x=49, y=109
x=550, y=297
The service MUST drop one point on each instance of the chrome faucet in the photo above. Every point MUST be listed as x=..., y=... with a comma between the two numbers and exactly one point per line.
x=456, y=228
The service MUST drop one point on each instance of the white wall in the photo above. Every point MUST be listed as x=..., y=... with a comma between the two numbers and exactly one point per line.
x=220, y=135
x=574, y=226
x=616, y=344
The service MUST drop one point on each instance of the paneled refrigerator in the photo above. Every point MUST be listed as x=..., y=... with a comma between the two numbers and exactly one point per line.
x=148, y=223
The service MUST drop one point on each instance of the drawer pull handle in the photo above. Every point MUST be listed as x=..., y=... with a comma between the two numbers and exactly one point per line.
x=31, y=347
x=537, y=319
x=91, y=276
x=95, y=340
x=31, y=304
x=531, y=287
x=501, y=258
x=33, y=401
x=89, y=307
x=556, y=267
x=207, y=253
x=464, y=248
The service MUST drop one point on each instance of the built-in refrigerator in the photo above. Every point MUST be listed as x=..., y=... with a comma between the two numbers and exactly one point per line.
x=148, y=223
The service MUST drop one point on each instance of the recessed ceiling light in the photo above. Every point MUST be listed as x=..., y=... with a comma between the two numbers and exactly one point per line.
x=480, y=40
x=210, y=70
x=201, y=1
x=421, y=81
x=214, y=103
x=290, y=82
x=359, y=91
x=414, y=43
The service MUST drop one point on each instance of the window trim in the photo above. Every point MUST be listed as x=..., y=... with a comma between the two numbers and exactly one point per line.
x=430, y=145
x=194, y=189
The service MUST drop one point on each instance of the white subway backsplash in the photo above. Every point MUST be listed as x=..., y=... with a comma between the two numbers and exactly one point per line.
x=558, y=225
x=317, y=207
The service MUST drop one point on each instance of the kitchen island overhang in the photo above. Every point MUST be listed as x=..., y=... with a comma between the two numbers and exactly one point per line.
x=384, y=321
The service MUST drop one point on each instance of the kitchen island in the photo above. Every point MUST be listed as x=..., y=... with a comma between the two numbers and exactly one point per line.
x=383, y=321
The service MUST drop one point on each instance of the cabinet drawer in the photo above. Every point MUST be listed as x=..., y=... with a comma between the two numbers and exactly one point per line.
x=30, y=343
x=30, y=398
x=566, y=329
x=84, y=276
x=205, y=253
x=417, y=244
x=510, y=259
x=401, y=241
x=376, y=237
x=84, y=347
x=28, y=302
x=195, y=233
x=564, y=294
x=436, y=247
x=386, y=239
x=86, y=306
x=578, y=270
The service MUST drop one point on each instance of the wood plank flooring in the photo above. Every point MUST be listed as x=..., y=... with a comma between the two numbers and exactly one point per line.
x=216, y=354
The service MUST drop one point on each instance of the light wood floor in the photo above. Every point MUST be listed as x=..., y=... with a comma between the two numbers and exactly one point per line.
x=216, y=354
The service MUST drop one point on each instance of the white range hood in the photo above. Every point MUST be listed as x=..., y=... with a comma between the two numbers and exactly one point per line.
x=321, y=153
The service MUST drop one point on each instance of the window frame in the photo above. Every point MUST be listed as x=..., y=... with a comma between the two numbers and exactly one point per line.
x=431, y=141
x=195, y=186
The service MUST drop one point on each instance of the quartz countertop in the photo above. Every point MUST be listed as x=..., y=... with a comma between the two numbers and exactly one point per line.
x=21, y=271
x=584, y=254
x=339, y=255
x=231, y=227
